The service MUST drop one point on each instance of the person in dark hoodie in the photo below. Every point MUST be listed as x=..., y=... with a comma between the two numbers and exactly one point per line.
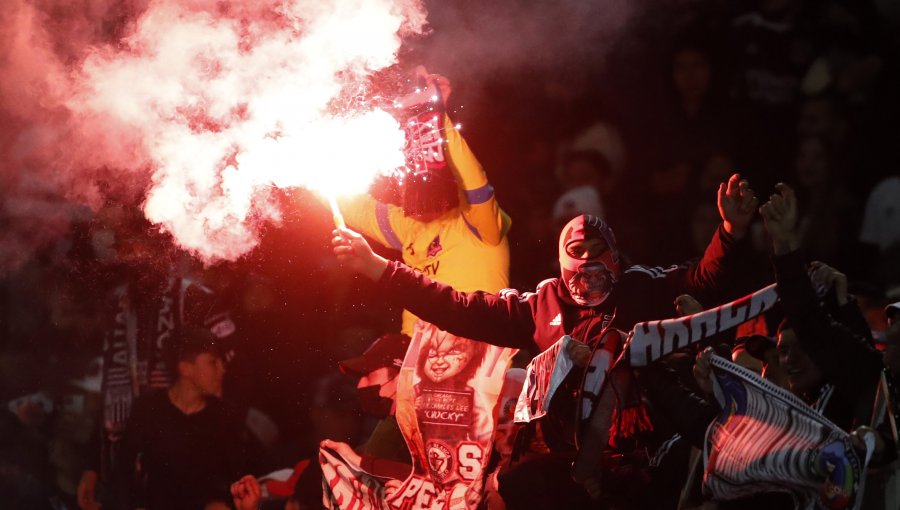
x=823, y=350
x=818, y=351
x=596, y=290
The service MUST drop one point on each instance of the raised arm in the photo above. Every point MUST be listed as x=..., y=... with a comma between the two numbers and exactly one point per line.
x=504, y=320
x=479, y=205
x=847, y=359
x=480, y=209
x=835, y=286
x=712, y=278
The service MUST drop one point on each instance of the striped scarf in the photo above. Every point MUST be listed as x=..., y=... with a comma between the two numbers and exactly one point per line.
x=768, y=440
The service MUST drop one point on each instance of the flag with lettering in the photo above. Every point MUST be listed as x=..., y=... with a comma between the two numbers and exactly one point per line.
x=652, y=340
x=766, y=439
x=448, y=399
x=346, y=486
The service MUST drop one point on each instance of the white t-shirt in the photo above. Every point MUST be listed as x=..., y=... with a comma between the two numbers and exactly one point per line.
x=881, y=223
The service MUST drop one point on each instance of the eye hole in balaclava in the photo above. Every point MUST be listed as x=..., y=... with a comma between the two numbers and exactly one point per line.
x=588, y=259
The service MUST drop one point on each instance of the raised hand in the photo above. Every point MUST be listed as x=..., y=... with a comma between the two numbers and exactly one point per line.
x=432, y=88
x=686, y=304
x=344, y=450
x=85, y=492
x=353, y=251
x=737, y=204
x=246, y=493
x=441, y=83
x=579, y=352
x=780, y=215
x=826, y=277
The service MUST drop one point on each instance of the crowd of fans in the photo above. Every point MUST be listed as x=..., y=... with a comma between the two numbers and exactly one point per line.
x=803, y=93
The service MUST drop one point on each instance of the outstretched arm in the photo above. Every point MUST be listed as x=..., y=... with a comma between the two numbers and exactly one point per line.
x=503, y=320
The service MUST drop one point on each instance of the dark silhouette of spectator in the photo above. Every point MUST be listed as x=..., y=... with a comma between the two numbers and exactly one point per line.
x=770, y=52
x=144, y=314
x=667, y=211
x=827, y=212
x=821, y=116
x=26, y=476
x=815, y=347
x=588, y=183
x=698, y=119
x=892, y=353
x=184, y=446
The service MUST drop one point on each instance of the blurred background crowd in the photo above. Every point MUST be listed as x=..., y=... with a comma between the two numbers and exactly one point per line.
x=807, y=93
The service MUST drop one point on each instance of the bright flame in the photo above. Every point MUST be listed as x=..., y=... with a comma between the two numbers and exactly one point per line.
x=228, y=99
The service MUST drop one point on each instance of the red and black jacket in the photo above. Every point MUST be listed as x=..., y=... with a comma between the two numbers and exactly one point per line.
x=535, y=320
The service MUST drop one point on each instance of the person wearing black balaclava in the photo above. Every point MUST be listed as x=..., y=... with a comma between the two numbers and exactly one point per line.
x=595, y=290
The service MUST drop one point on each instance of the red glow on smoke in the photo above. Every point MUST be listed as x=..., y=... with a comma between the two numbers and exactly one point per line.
x=205, y=105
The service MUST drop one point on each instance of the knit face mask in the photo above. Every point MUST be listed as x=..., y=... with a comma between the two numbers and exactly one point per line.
x=589, y=259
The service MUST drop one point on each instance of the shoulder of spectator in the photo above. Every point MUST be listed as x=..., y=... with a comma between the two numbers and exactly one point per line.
x=224, y=407
x=151, y=400
x=643, y=272
x=548, y=282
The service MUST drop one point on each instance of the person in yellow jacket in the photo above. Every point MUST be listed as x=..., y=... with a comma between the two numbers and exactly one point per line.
x=464, y=246
x=449, y=226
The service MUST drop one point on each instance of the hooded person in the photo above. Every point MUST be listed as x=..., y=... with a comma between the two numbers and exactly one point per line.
x=596, y=290
x=589, y=260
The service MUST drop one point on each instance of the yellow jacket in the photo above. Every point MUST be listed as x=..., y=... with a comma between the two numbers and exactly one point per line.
x=465, y=248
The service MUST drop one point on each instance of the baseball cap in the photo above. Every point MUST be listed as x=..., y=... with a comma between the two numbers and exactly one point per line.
x=386, y=351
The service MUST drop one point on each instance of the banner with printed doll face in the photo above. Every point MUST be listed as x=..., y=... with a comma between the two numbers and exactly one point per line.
x=447, y=404
x=448, y=400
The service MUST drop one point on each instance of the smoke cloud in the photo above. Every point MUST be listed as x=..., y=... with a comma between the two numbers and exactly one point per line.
x=195, y=107
x=474, y=40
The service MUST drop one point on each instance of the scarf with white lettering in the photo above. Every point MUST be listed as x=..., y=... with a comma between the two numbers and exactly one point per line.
x=134, y=360
x=653, y=340
x=138, y=347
